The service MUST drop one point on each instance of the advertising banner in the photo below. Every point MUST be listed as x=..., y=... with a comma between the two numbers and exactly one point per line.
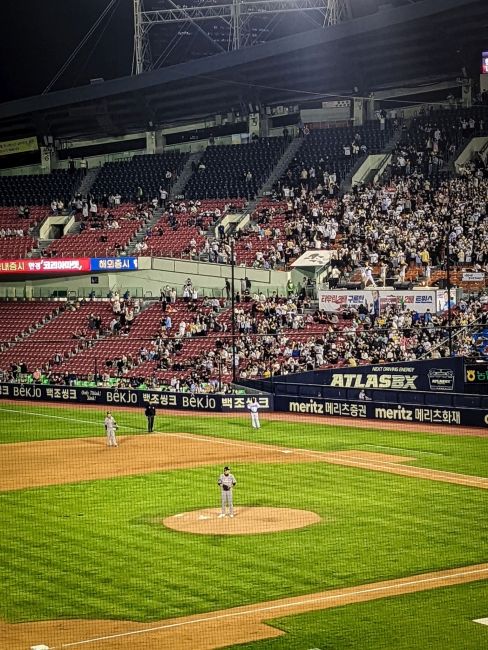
x=9, y=147
x=51, y=265
x=69, y=265
x=433, y=375
x=472, y=276
x=476, y=373
x=113, y=264
x=392, y=413
x=135, y=398
x=377, y=299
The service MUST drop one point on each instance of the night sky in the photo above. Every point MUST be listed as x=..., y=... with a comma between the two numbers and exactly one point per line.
x=36, y=38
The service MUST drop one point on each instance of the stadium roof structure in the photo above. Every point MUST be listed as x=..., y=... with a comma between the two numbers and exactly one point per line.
x=421, y=42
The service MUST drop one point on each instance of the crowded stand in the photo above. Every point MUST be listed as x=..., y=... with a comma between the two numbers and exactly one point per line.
x=326, y=156
x=399, y=231
x=387, y=231
x=405, y=228
x=278, y=233
x=183, y=227
x=105, y=230
x=236, y=171
x=140, y=179
x=434, y=137
x=185, y=343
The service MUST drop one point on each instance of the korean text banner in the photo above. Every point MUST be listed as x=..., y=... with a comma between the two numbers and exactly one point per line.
x=445, y=416
x=135, y=398
x=53, y=265
x=9, y=147
x=113, y=264
x=377, y=299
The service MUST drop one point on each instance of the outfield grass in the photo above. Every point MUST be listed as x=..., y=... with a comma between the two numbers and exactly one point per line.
x=433, y=620
x=465, y=455
x=96, y=550
x=93, y=549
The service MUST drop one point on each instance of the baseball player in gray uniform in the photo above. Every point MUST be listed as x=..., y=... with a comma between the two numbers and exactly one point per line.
x=253, y=406
x=110, y=429
x=227, y=482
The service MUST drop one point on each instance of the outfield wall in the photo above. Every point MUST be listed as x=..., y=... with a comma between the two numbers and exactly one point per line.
x=359, y=410
x=293, y=404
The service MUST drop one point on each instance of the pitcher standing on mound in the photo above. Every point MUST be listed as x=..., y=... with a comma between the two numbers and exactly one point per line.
x=227, y=483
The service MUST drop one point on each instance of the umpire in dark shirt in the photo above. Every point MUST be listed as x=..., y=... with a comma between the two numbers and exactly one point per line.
x=150, y=413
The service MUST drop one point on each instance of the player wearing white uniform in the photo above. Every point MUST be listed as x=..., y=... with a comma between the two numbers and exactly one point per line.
x=227, y=482
x=253, y=406
x=110, y=429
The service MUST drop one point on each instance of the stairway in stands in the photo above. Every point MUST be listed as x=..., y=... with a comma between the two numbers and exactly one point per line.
x=87, y=182
x=142, y=233
x=184, y=177
x=280, y=167
x=346, y=184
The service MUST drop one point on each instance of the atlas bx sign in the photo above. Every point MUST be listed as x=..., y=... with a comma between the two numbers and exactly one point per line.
x=69, y=266
x=433, y=375
x=439, y=379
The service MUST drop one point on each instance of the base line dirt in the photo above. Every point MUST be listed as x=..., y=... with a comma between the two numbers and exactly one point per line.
x=55, y=462
x=220, y=628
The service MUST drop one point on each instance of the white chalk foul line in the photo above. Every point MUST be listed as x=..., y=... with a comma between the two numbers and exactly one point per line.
x=49, y=415
x=251, y=611
x=414, y=451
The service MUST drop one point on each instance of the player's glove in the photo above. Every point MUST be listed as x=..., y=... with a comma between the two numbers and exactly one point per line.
x=226, y=488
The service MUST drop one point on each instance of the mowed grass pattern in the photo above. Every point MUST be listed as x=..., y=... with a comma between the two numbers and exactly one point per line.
x=96, y=549
x=432, y=620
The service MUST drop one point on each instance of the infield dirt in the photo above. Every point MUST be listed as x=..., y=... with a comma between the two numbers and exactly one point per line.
x=55, y=462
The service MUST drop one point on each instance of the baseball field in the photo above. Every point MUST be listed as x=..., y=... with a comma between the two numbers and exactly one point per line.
x=345, y=536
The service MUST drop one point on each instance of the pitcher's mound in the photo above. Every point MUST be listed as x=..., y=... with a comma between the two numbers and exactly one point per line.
x=246, y=521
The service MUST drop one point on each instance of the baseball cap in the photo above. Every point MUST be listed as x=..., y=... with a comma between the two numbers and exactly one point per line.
x=226, y=468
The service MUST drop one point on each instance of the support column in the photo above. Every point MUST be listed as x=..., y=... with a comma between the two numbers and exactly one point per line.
x=47, y=155
x=150, y=142
x=160, y=142
x=254, y=122
x=370, y=107
x=358, y=111
x=484, y=82
x=467, y=93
